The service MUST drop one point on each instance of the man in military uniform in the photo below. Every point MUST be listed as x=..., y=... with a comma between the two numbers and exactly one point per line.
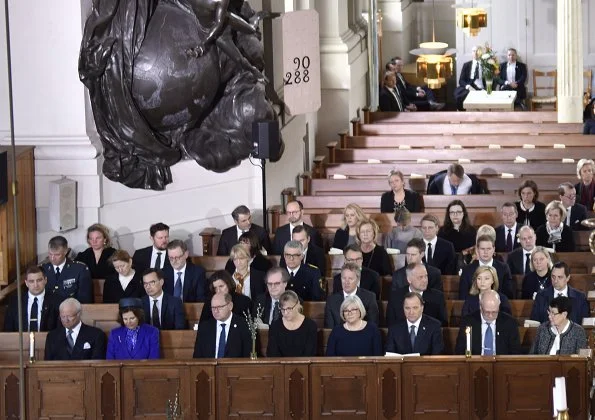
x=303, y=279
x=66, y=278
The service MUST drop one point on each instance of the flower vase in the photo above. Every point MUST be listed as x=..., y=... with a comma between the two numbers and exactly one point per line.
x=253, y=355
x=489, y=85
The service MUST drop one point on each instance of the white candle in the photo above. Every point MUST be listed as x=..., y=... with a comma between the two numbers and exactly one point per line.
x=468, y=337
x=561, y=388
x=555, y=400
x=31, y=345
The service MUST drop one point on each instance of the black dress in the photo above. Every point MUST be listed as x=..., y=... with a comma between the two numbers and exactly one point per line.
x=101, y=269
x=378, y=260
x=565, y=245
x=342, y=238
x=533, y=283
x=113, y=292
x=241, y=304
x=461, y=240
x=297, y=343
x=585, y=194
x=412, y=202
x=534, y=218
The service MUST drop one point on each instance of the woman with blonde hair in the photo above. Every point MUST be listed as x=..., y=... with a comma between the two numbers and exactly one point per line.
x=399, y=197
x=100, y=250
x=539, y=277
x=375, y=256
x=352, y=216
x=484, y=278
x=555, y=233
x=249, y=281
x=585, y=189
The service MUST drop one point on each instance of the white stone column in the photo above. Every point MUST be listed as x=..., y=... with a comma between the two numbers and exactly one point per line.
x=570, y=61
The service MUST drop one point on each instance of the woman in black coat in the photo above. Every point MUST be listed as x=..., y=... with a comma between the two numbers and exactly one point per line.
x=554, y=233
x=399, y=197
x=100, y=250
x=530, y=211
x=352, y=216
x=221, y=282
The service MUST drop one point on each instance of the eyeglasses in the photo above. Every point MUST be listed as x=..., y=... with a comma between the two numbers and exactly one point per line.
x=490, y=313
x=292, y=255
x=276, y=284
x=294, y=212
x=149, y=283
x=287, y=309
x=174, y=258
x=456, y=213
x=354, y=260
x=69, y=317
x=218, y=308
x=551, y=313
x=570, y=197
x=350, y=311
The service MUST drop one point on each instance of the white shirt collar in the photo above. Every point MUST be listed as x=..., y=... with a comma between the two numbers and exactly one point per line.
x=563, y=291
x=39, y=296
x=416, y=324
x=413, y=291
x=227, y=322
x=488, y=264
x=345, y=295
x=433, y=242
x=295, y=270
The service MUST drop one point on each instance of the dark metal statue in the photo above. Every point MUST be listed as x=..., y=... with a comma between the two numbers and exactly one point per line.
x=173, y=79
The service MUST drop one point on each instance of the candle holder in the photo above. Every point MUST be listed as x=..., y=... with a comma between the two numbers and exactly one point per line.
x=468, y=342
x=563, y=415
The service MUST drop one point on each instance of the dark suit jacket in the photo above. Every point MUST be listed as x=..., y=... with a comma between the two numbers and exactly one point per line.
x=565, y=245
x=388, y=103
x=332, y=316
x=141, y=260
x=444, y=257
x=147, y=344
x=413, y=202
x=434, y=278
x=520, y=77
x=428, y=340
x=504, y=279
x=314, y=257
x=535, y=218
x=112, y=288
x=101, y=269
x=578, y=300
x=75, y=281
x=229, y=237
x=282, y=237
x=434, y=305
x=465, y=77
x=436, y=182
x=507, y=335
x=501, y=233
x=172, y=312
x=241, y=304
x=50, y=314
x=341, y=238
x=369, y=280
x=516, y=261
x=578, y=213
x=265, y=301
x=56, y=346
x=238, y=343
x=195, y=282
x=306, y=283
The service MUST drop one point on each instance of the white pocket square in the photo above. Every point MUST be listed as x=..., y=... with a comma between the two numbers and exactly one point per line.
x=86, y=346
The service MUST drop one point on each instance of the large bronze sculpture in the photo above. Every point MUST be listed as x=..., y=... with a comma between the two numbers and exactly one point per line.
x=173, y=79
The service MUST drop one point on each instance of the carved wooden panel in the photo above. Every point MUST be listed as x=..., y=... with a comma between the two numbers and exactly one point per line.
x=202, y=390
x=146, y=390
x=343, y=390
x=296, y=394
x=250, y=391
x=524, y=390
x=55, y=392
x=389, y=393
x=9, y=397
x=481, y=383
x=576, y=380
x=446, y=383
x=107, y=384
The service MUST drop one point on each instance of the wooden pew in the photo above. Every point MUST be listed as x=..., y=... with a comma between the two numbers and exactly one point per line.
x=502, y=128
x=464, y=140
x=379, y=117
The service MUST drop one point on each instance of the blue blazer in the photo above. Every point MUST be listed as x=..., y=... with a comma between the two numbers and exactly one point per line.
x=427, y=342
x=147, y=344
x=580, y=306
x=195, y=282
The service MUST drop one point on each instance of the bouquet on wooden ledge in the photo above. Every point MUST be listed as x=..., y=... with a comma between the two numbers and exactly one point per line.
x=174, y=408
x=253, y=323
x=490, y=66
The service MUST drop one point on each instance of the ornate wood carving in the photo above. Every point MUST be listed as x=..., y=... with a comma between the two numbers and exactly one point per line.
x=203, y=395
x=297, y=386
x=11, y=397
x=108, y=408
x=481, y=392
x=389, y=392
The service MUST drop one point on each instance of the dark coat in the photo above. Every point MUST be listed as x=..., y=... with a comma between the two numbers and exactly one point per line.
x=388, y=103
x=282, y=236
x=578, y=213
x=434, y=305
x=436, y=183
x=332, y=316
x=516, y=261
x=507, y=335
x=578, y=300
x=99, y=269
x=502, y=233
x=229, y=237
x=565, y=245
x=238, y=343
x=413, y=202
x=428, y=340
x=536, y=217
x=141, y=260
x=520, y=78
x=444, y=257
x=434, y=278
x=504, y=279
x=315, y=257
x=241, y=304
x=50, y=315
x=369, y=280
x=172, y=312
x=112, y=288
x=195, y=283
x=306, y=283
x=75, y=281
x=56, y=346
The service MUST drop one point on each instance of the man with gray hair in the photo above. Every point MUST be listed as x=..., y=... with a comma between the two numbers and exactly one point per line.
x=276, y=282
x=66, y=278
x=74, y=340
x=242, y=219
x=519, y=260
x=305, y=280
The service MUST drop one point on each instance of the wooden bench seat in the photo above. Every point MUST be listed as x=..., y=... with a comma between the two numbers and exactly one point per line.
x=464, y=140
x=379, y=117
x=375, y=170
x=386, y=155
x=469, y=128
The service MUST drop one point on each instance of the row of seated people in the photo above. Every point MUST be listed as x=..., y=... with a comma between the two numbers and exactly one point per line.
x=166, y=311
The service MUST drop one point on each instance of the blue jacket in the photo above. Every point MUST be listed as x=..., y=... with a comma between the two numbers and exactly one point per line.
x=147, y=344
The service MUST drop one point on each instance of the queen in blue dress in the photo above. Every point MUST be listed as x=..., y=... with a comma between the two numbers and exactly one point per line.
x=134, y=340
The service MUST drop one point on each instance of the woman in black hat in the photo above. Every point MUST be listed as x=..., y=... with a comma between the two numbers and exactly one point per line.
x=134, y=339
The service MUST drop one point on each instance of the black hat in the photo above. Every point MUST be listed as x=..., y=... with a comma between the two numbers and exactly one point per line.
x=131, y=303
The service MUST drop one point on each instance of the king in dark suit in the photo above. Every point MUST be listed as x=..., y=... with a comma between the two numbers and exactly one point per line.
x=40, y=310
x=242, y=219
x=164, y=312
x=192, y=283
x=418, y=333
x=154, y=256
x=226, y=335
x=74, y=340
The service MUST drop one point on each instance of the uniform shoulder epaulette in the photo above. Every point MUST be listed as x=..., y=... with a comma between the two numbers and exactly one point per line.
x=81, y=263
x=313, y=266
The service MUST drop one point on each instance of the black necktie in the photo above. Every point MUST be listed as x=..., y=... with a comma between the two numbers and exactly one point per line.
x=155, y=315
x=412, y=336
x=57, y=273
x=398, y=96
x=276, y=311
x=476, y=74
x=158, y=261
x=527, y=263
x=33, y=324
x=429, y=258
x=509, y=241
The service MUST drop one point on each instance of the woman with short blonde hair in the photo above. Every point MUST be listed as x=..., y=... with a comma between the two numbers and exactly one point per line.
x=346, y=235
